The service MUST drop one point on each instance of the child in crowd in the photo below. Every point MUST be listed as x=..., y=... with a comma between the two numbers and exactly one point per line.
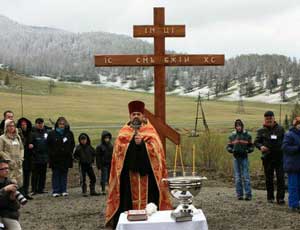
x=103, y=157
x=85, y=154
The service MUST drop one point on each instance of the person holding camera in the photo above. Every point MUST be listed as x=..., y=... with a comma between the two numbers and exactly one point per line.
x=269, y=140
x=240, y=145
x=10, y=199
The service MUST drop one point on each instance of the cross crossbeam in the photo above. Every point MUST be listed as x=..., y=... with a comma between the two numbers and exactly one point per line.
x=159, y=60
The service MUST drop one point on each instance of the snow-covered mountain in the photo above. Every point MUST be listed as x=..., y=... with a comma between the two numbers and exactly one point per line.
x=67, y=56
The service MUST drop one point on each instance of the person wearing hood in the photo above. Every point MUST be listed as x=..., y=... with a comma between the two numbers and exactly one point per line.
x=269, y=140
x=12, y=149
x=8, y=114
x=85, y=154
x=25, y=126
x=291, y=163
x=103, y=158
x=60, y=144
x=240, y=145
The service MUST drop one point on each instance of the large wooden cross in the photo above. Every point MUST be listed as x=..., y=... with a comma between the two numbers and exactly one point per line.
x=159, y=60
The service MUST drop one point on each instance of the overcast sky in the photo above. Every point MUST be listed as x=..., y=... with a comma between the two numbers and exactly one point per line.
x=231, y=27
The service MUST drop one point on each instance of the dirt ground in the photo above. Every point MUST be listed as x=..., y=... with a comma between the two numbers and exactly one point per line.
x=217, y=200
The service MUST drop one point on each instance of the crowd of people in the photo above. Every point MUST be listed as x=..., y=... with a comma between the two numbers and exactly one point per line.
x=27, y=150
x=134, y=166
x=280, y=153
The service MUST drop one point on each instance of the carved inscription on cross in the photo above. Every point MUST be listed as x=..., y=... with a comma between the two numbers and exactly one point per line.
x=159, y=60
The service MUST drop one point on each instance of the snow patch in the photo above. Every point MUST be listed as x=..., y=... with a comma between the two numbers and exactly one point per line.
x=44, y=78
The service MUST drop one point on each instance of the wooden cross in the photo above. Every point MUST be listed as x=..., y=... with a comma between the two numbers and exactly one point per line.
x=159, y=60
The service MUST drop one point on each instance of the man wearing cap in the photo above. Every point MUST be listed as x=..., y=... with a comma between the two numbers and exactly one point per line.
x=39, y=156
x=137, y=168
x=269, y=140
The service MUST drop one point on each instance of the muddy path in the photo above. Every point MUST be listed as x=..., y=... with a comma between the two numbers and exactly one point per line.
x=218, y=201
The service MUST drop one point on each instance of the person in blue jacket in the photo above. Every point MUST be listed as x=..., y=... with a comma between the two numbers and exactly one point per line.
x=291, y=163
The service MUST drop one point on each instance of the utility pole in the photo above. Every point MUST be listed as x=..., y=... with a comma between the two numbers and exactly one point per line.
x=21, y=98
x=199, y=103
x=240, y=108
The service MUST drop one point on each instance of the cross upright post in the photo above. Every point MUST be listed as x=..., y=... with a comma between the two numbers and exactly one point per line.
x=159, y=70
x=160, y=60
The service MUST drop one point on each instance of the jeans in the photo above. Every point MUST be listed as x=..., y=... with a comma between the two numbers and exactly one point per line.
x=294, y=189
x=269, y=167
x=38, y=178
x=59, y=180
x=27, y=167
x=105, y=171
x=241, y=173
x=87, y=169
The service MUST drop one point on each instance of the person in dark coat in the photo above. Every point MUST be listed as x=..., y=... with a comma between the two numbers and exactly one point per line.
x=240, y=145
x=9, y=205
x=291, y=163
x=39, y=156
x=85, y=154
x=103, y=157
x=25, y=126
x=269, y=140
x=60, y=144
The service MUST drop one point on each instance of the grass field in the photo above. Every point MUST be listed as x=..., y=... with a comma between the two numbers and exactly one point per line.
x=92, y=109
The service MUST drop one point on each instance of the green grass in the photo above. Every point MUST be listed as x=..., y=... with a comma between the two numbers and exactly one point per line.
x=99, y=107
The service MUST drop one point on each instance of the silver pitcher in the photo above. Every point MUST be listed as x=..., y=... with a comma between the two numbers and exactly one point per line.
x=184, y=189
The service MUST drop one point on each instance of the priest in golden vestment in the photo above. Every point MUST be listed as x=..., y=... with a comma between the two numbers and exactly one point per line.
x=137, y=168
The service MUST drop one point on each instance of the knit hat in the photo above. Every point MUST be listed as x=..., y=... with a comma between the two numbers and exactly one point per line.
x=83, y=137
x=269, y=114
x=39, y=120
x=136, y=106
x=296, y=121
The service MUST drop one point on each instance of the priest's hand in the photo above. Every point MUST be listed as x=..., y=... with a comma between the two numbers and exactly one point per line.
x=138, y=139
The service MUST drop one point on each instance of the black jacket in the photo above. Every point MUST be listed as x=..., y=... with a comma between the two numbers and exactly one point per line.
x=85, y=153
x=104, y=151
x=8, y=208
x=40, y=148
x=26, y=137
x=2, y=127
x=60, y=148
x=272, y=138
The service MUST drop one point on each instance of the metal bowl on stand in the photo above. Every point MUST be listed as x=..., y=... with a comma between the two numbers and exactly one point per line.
x=184, y=188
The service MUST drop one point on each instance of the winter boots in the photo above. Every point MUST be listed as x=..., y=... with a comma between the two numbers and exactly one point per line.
x=84, y=190
x=93, y=190
x=103, y=189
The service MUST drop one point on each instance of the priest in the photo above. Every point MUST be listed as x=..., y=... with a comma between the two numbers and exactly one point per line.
x=137, y=168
